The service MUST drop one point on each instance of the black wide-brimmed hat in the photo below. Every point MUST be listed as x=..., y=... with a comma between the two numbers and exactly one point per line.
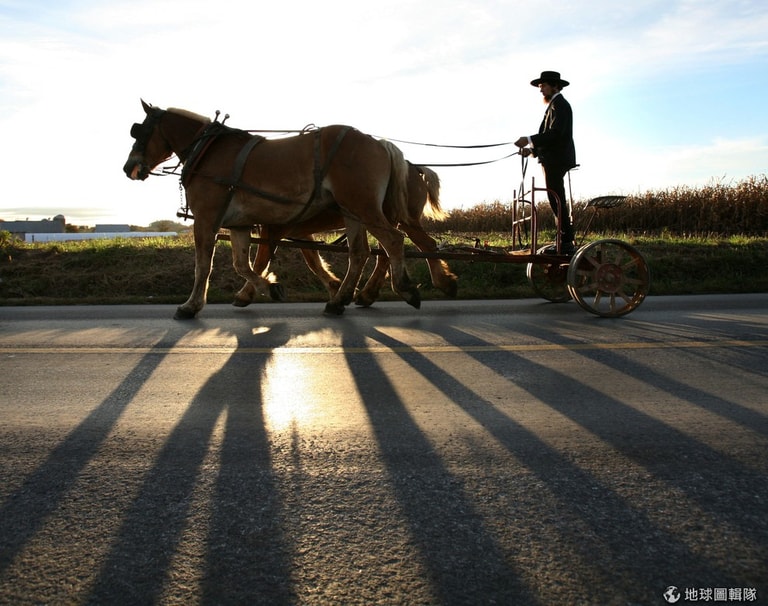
x=552, y=78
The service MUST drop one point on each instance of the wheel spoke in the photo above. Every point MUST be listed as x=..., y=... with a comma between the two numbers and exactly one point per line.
x=627, y=298
x=630, y=264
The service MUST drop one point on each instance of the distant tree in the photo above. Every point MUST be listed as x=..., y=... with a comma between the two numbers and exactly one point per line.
x=167, y=225
x=78, y=229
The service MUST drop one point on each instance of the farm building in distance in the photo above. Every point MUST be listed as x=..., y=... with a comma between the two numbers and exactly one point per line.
x=47, y=226
x=54, y=230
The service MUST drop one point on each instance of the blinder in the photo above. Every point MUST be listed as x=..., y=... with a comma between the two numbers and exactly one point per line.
x=142, y=131
x=137, y=131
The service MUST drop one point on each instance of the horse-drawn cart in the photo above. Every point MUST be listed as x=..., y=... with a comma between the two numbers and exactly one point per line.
x=336, y=176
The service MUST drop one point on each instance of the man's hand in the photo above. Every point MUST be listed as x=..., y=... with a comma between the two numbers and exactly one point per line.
x=522, y=142
x=526, y=151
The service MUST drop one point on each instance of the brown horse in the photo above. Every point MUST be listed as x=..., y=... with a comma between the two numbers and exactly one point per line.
x=423, y=189
x=235, y=180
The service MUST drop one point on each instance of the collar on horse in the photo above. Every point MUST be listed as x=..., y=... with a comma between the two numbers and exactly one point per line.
x=212, y=131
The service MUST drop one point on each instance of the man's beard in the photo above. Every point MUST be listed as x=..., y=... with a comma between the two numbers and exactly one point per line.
x=546, y=98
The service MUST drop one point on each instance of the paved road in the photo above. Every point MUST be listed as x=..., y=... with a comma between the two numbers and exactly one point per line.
x=503, y=452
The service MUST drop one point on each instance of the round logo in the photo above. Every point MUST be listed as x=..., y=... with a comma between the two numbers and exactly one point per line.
x=671, y=594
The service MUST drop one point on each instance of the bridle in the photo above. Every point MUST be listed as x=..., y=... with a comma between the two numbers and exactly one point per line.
x=142, y=132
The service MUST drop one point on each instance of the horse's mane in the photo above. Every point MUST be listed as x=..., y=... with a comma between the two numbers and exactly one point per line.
x=188, y=114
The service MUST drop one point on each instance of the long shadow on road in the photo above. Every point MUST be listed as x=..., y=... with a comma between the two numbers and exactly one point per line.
x=621, y=538
x=26, y=511
x=720, y=486
x=246, y=559
x=464, y=562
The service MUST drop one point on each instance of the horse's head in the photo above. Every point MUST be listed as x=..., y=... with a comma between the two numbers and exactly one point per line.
x=150, y=148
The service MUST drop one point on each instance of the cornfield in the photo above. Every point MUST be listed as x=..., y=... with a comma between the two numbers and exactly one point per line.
x=716, y=209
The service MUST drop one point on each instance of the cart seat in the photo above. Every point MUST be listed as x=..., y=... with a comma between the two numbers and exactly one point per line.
x=606, y=201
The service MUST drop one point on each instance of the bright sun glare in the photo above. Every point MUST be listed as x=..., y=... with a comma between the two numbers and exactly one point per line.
x=286, y=380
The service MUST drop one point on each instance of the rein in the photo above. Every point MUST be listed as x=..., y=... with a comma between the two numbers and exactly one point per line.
x=449, y=146
x=190, y=158
x=485, y=146
x=473, y=163
x=314, y=128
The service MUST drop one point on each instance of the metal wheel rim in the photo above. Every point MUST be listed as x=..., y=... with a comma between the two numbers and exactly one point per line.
x=608, y=278
x=549, y=281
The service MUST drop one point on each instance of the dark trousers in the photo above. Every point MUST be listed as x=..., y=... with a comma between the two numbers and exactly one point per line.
x=554, y=177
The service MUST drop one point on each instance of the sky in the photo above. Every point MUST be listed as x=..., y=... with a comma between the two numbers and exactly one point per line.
x=665, y=93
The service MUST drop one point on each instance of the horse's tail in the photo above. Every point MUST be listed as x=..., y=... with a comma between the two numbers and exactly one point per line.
x=396, y=198
x=432, y=181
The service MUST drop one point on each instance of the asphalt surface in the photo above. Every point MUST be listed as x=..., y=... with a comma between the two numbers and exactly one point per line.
x=502, y=452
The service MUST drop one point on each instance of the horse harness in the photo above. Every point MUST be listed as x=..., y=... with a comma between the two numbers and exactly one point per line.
x=214, y=130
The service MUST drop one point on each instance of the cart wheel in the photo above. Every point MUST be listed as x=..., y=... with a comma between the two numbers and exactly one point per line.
x=608, y=278
x=549, y=280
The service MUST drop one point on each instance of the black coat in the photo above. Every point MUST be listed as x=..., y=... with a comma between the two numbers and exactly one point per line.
x=553, y=145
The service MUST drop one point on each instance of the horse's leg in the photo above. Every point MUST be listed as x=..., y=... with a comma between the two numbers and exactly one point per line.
x=359, y=250
x=320, y=268
x=392, y=242
x=370, y=292
x=264, y=255
x=256, y=284
x=205, y=241
x=442, y=277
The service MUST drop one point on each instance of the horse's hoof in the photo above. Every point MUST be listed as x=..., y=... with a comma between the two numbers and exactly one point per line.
x=452, y=289
x=183, y=314
x=334, y=309
x=241, y=302
x=277, y=292
x=363, y=300
x=414, y=299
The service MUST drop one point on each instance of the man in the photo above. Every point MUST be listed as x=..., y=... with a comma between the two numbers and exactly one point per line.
x=553, y=146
